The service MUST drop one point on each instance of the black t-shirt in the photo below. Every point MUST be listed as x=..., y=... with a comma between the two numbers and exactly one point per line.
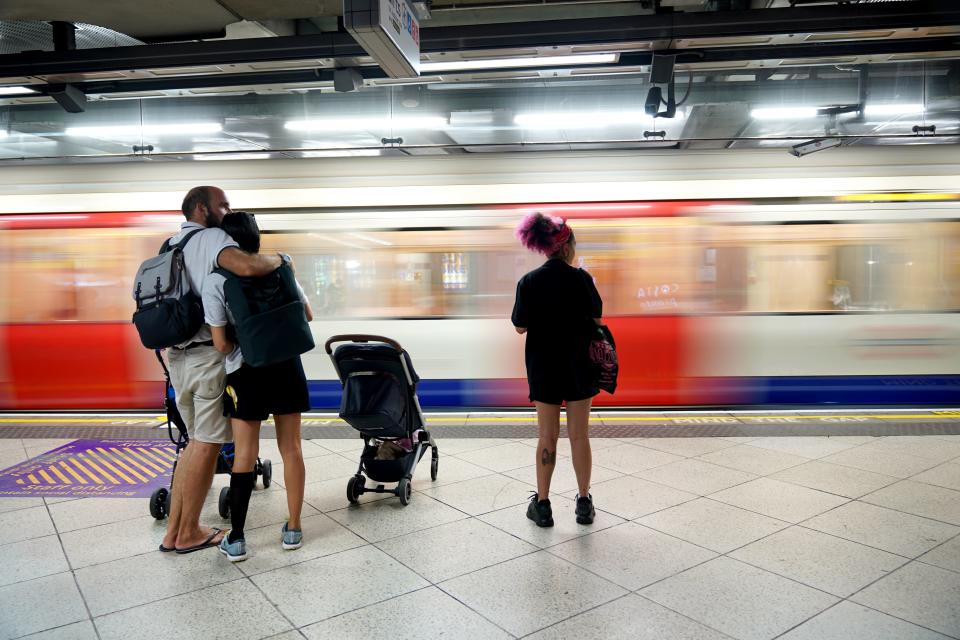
x=556, y=303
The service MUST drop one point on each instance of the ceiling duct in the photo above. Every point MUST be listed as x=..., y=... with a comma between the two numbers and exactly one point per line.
x=24, y=35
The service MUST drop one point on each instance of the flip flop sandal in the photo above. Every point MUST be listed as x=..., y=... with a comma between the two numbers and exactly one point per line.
x=164, y=549
x=203, y=545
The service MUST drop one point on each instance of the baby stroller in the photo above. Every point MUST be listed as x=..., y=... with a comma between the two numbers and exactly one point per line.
x=380, y=401
x=160, y=499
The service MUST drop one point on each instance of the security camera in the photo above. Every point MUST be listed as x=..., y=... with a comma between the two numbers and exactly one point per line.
x=652, y=104
x=811, y=146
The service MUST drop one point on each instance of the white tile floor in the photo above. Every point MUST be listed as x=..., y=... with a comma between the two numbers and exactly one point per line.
x=699, y=538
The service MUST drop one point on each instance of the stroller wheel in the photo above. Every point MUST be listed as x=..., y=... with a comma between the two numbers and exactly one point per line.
x=404, y=490
x=434, y=464
x=266, y=468
x=159, y=503
x=223, y=504
x=355, y=488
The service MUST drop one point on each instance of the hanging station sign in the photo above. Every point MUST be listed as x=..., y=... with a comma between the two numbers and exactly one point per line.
x=389, y=31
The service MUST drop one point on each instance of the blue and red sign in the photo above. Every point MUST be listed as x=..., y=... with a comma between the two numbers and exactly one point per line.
x=93, y=468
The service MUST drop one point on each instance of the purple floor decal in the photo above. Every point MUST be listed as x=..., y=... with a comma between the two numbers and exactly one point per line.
x=92, y=468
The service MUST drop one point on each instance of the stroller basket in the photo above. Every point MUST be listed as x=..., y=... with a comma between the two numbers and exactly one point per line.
x=388, y=470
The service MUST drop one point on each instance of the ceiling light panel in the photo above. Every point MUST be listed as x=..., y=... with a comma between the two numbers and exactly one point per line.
x=186, y=128
x=517, y=63
x=366, y=124
x=15, y=91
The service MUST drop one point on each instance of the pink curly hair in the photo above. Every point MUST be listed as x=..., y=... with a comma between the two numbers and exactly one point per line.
x=543, y=234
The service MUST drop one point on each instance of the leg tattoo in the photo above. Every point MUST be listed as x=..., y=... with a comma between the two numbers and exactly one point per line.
x=548, y=457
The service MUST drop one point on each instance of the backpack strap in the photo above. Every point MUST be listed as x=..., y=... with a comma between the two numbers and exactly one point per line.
x=233, y=294
x=288, y=281
x=167, y=246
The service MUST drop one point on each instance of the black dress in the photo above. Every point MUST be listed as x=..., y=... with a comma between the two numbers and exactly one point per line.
x=557, y=303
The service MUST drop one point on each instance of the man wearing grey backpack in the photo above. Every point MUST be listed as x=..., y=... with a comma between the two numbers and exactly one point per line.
x=197, y=371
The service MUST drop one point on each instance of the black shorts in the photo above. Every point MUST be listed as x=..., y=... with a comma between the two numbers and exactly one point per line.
x=253, y=393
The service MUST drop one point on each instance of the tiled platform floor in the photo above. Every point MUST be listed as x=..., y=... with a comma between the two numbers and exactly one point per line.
x=695, y=538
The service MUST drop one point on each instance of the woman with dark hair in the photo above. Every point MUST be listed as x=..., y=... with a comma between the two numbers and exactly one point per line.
x=558, y=306
x=252, y=394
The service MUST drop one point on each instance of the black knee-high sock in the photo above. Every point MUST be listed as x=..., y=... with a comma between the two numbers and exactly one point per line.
x=241, y=486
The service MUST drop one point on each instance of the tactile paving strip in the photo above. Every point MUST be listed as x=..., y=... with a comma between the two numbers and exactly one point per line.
x=524, y=426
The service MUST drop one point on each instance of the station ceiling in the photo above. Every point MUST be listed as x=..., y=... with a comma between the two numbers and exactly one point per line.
x=243, y=78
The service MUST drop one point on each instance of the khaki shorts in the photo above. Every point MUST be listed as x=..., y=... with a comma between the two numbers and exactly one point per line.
x=199, y=378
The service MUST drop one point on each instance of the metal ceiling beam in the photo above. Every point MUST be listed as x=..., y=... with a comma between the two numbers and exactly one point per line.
x=684, y=56
x=715, y=96
x=672, y=26
x=846, y=18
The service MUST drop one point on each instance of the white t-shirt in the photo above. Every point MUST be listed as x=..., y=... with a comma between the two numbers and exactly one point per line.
x=200, y=258
x=217, y=312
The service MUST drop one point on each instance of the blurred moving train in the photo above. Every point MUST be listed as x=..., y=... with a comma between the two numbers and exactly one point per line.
x=755, y=283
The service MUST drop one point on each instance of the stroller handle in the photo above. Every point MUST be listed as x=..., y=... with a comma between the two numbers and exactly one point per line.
x=360, y=337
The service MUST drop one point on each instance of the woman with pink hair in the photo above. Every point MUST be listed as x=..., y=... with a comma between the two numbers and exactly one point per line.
x=558, y=307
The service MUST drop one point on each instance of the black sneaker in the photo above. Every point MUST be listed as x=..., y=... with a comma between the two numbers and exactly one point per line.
x=540, y=512
x=585, y=510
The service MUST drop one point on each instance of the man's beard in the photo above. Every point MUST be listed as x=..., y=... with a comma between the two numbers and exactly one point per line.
x=211, y=220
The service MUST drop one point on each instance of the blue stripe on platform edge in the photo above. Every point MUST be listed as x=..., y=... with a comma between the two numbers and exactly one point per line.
x=325, y=394
x=813, y=390
x=874, y=390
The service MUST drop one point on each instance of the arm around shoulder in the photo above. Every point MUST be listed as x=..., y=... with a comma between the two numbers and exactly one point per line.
x=245, y=264
x=220, y=341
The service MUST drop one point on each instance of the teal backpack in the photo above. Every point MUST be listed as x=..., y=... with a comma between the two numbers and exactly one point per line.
x=270, y=321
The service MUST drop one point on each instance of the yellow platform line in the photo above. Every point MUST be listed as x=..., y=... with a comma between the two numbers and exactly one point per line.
x=778, y=417
x=117, y=458
x=89, y=473
x=46, y=476
x=145, y=460
x=94, y=458
x=70, y=420
x=33, y=479
x=60, y=475
x=79, y=478
x=93, y=464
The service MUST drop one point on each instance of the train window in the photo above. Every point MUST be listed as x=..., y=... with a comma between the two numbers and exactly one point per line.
x=864, y=278
x=55, y=275
x=811, y=268
x=641, y=266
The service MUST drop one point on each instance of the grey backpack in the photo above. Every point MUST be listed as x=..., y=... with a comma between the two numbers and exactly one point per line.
x=168, y=312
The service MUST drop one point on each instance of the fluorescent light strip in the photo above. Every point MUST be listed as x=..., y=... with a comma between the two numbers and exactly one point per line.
x=147, y=130
x=366, y=124
x=342, y=153
x=805, y=113
x=15, y=91
x=515, y=63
